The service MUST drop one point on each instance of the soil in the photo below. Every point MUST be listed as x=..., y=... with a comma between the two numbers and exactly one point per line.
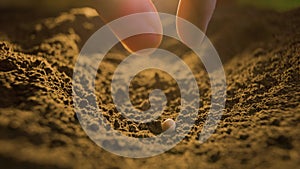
x=260, y=127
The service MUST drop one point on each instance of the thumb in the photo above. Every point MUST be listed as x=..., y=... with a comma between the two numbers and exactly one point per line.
x=110, y=10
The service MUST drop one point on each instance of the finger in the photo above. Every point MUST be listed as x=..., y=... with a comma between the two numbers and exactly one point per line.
x=110, y=10
x=199, y=13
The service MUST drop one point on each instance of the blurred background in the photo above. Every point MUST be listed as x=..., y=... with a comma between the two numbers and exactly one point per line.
x=54, y=6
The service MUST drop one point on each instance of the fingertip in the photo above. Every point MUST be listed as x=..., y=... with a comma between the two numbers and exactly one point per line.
x=144, y=28
x=190, y=34
x=199, y=14
x=143, y=41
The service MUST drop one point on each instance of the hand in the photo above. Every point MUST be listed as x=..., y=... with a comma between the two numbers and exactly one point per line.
x=198, y=12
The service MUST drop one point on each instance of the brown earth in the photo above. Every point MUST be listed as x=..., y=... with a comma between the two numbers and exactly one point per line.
x=259, y=128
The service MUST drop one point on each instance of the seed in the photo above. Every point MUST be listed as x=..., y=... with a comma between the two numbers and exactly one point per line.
x=169, y=125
